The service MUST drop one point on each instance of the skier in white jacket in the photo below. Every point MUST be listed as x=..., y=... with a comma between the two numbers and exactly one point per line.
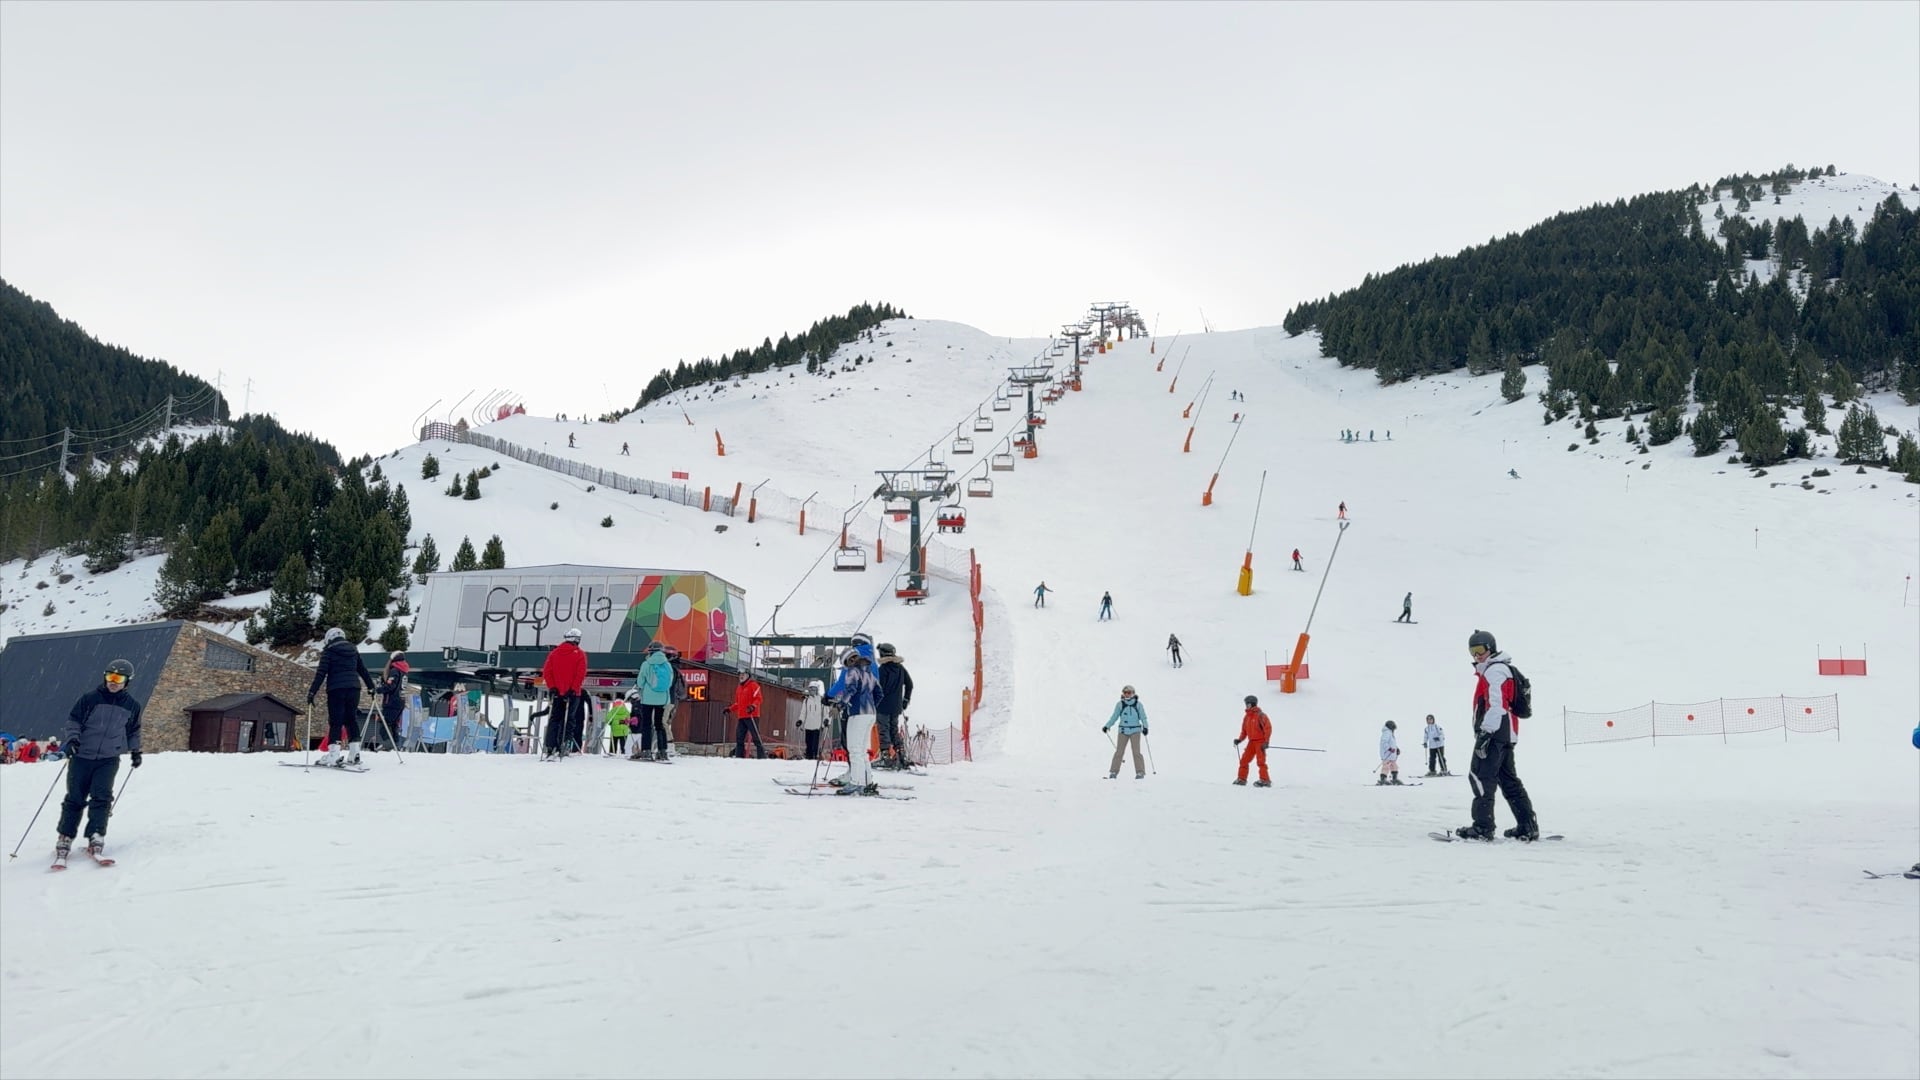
x=1436, y=741
x=1389, y=755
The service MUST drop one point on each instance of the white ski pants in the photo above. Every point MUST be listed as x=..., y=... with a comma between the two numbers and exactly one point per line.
x=859, y=731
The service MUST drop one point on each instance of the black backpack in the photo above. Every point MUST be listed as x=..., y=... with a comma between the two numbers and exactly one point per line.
x=677, y=692
x=1522, y=704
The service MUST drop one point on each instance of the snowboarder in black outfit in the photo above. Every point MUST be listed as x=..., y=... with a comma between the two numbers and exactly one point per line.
x=1173, y=646
x=103, y=724
x=1106, y=606
x=343, y=672
x=1495, y=733
x=1406, y=609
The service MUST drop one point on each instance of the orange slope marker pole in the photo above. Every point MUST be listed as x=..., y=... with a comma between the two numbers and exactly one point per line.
x=719, y=443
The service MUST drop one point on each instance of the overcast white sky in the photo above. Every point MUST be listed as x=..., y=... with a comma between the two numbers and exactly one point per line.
x=365, y=207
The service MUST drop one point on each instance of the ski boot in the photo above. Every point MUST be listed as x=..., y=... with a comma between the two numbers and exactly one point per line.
x=353, y=754
x=1396, y=781
x=1113, y=776
x=1263, y=783
x=96, y=845
x=1242, y=782
x=62, y=847
x=331, y=758
x=1530, y=831
x=1382, y=782
x=1473, y=832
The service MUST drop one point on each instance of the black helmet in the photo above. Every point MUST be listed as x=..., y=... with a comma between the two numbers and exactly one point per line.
x=1391, y=726
x=885, y=648
x=1482, y=638
x=121, y=668
x=1252, y=701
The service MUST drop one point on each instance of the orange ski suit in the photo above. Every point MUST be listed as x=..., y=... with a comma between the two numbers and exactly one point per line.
x=1256, y=730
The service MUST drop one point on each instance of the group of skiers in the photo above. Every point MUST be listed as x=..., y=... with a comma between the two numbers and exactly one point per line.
x=873, y=689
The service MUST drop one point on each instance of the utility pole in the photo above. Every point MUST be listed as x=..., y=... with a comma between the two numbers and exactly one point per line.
x=248, y=406
x=66, y=442
x=169, y=422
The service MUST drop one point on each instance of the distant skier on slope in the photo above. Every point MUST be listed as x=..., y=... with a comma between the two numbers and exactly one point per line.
x=1256, y=731
x=1040, y=592
x=1389, y=755
x=1296, y=560
x=1106, y=607
x=1406, y=610
x=1173, y=646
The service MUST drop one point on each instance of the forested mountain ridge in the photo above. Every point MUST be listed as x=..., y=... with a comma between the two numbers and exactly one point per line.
x=55, y=376
x=1642, y=284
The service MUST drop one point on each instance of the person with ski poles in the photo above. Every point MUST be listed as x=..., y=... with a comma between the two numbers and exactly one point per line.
x=393, y=696
x=857, y=691
x=1173, y=646
x=618, y=728
x=1256, y=730
x=746, y=715
x=1040, y=592
x=1389, y=755
x=1131, y=715
x=1436, y=740
x=101, y=726
x=565, y=673
x=1296, y=560
x=1106, y=607
x=343, y=672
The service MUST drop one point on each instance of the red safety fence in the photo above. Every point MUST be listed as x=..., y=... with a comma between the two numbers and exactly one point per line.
x=1842, y=667
x=1721, y=716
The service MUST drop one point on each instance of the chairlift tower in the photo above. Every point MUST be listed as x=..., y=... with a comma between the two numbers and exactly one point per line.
x=1074, y=332
x=1112, y=308
x=1030, y=376
x=913, y=485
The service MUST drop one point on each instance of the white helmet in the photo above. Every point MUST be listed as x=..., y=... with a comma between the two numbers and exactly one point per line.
x=333, y=635
x=573, y=634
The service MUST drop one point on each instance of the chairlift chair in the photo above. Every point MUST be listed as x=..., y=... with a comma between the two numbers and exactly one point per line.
x=963, y=444
x=1037, y=419
x=952, y=518
x=983, y=423
x=1002, y=463
x=980, y=487
x=1001, y=404
x=898, y=509
x=850, y=558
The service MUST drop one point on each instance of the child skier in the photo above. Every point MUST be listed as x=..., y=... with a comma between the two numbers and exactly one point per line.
x=1256, y=731
x=1389, y=756
x=1436, y=741
x=618, y=729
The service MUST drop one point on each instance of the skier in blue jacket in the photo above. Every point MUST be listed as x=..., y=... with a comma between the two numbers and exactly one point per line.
x=1132, y=718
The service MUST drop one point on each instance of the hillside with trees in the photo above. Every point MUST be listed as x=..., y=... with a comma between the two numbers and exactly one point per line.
x=1633, y=308
x=250, y=507
x=811, y=348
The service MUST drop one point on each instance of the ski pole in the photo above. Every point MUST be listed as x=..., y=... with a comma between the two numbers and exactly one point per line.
x=306, y=739
x=391, y=740
x=1302, y=749
x=124, y=781
x=1149, y=745
x=15, y=853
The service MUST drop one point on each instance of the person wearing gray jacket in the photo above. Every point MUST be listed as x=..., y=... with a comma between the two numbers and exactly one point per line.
x=103, y=724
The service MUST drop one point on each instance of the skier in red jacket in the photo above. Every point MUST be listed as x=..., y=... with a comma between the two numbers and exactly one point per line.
x=565, y=674
x=1256, y=731
x=746, y=715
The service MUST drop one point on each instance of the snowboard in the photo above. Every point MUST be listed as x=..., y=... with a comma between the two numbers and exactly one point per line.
x=1448, y=838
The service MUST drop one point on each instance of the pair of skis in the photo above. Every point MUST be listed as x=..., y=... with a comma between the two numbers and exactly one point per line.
x=327, y=768
x=60, y=863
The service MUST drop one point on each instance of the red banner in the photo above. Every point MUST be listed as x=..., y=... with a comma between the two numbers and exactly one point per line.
x=678, y=475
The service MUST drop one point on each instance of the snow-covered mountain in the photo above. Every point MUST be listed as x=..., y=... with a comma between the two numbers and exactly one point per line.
x=1705, y=916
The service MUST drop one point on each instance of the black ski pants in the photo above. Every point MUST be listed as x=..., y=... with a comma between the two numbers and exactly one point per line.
x=747, y=727
x=1436, y=759
x=343, y=714
x=1496, y=770
x=889, y=727
x=652, y=725
x=1176, y=658
x=813, y=744
x=89, y=784
x=390, y=714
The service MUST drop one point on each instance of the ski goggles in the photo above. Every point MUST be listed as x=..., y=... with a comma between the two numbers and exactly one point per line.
x=115, y=679
x=1478, y=652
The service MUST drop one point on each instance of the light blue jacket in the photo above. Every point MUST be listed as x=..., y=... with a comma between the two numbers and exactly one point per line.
x=656, y=679
x=1130, y=714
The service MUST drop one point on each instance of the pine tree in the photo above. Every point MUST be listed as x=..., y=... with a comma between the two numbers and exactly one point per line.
x=1814, y=411
x=1861, y=438
x=430, y=468
x=1906, y=459
x=1705, y=432
x=176, y=592
x=401, y=510
x=394, y=638
x=494, y=555
x=1480, y=350
x=428, y=561
x=1762, y=439
x=464, y=559
x=289, y=615
x=1839, y=383
x=1513, y=383
x=473, y=486
x=458, y=487
x=346, y=609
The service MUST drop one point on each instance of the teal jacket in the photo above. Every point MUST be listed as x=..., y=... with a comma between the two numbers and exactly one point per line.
x=1130, y=715
x=656, y=679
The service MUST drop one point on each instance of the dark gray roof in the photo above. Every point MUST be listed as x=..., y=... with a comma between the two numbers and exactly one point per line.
x=42, y=675
x=230, y=701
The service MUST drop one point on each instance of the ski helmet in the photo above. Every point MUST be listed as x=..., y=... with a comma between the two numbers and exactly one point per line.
x=1391, y=726
x=122, y=669
x=334, y=634
x=1482, y=638
x=885, y=648
x=397, y=655
x=573, y=635
x=1126, y=691
x=862, y=638
x=854, y=656
x=1252, y=701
